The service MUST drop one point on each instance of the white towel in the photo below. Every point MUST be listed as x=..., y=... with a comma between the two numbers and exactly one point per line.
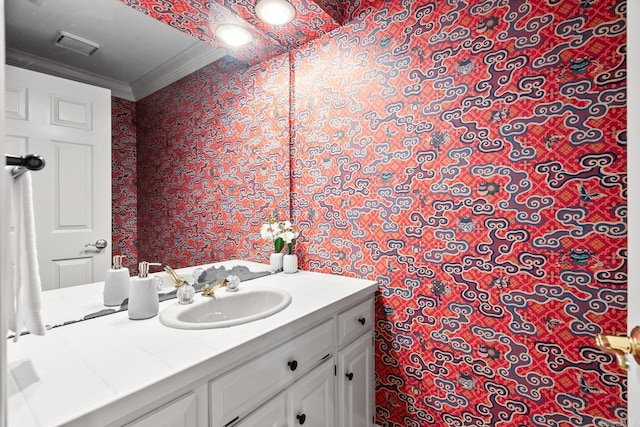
x=8, y=300
x=24, y=304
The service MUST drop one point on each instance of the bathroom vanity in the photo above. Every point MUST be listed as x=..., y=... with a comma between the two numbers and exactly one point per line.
x=310, y=364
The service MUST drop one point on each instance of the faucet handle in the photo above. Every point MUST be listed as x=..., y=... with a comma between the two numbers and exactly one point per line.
x=177, y=280
x=233, y=283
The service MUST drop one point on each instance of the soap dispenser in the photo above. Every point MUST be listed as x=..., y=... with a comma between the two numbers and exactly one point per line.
x=116, y=283
x=143, y=294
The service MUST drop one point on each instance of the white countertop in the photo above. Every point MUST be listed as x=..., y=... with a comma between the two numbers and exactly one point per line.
x=80, y=374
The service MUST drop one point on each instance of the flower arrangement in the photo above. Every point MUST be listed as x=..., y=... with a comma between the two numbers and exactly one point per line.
x=279, y=232
x=289, y=234
x=272, y=231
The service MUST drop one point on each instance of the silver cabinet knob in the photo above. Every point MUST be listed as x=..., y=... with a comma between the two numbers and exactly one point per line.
x=99, y=244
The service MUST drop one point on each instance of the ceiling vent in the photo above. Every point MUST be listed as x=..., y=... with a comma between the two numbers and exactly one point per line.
x=76, y=44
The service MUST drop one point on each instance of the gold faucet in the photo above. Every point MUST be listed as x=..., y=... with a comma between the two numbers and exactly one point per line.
x=209, y=290
x=177, y=280
x=619, y=346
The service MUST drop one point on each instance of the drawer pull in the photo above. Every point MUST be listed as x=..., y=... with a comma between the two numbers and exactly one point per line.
x=362, y=320
x=293, y=365
x=350, y=376
x=301, y=418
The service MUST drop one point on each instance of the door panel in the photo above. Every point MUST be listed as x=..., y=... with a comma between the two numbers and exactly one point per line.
x=72, y=164
x=71, y=112
x=16, y=102
x=72, y=272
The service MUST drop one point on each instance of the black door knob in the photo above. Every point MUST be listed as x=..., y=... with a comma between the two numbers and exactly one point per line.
x=293, y=365
x=362, y=320
x=350, y=376
x=301, y=418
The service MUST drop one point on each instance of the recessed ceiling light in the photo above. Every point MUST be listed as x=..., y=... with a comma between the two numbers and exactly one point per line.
x=275, y=12
x=234, y=35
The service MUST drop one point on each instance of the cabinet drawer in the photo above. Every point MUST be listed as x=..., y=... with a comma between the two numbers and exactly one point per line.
x=182, y=412
x=239, y=391
x=355, y=321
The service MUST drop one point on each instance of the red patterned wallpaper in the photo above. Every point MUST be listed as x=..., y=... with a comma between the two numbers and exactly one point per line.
x=124, y=182
x=213, y=163
x=470, y=156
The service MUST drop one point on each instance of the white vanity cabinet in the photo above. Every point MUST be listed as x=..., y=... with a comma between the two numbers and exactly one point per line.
x=324, y=378
x=310, y=365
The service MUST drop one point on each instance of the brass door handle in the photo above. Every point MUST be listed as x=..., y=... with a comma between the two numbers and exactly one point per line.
x=619, y=346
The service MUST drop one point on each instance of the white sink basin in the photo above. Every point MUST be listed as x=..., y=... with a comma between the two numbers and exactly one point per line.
x=226, y=309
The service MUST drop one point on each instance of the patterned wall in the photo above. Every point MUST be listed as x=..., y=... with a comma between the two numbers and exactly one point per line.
x=470, y=156
x=124, y=195
x=213, y=163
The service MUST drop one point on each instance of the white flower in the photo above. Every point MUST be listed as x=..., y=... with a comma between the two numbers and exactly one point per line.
x=271, y=230
x=289, y=235
x=266, y=232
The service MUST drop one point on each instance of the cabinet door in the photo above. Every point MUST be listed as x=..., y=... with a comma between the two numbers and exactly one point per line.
x=182, y=412
x=355, y=383
x=271, y=414
x=239, y=391
x=311, y=398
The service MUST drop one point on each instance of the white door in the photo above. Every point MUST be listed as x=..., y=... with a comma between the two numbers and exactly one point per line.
x=69, y=124
x=633, y=154
x=355, y=386
x=310, y=400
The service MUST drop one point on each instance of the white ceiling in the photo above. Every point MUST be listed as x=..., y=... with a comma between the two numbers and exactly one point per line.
x=138, y=55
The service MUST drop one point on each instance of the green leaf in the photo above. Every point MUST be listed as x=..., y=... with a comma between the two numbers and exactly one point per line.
x=279, y=244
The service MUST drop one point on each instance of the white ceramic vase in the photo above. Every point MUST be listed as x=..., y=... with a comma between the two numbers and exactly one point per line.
x=290, y=263
x=275, y=260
